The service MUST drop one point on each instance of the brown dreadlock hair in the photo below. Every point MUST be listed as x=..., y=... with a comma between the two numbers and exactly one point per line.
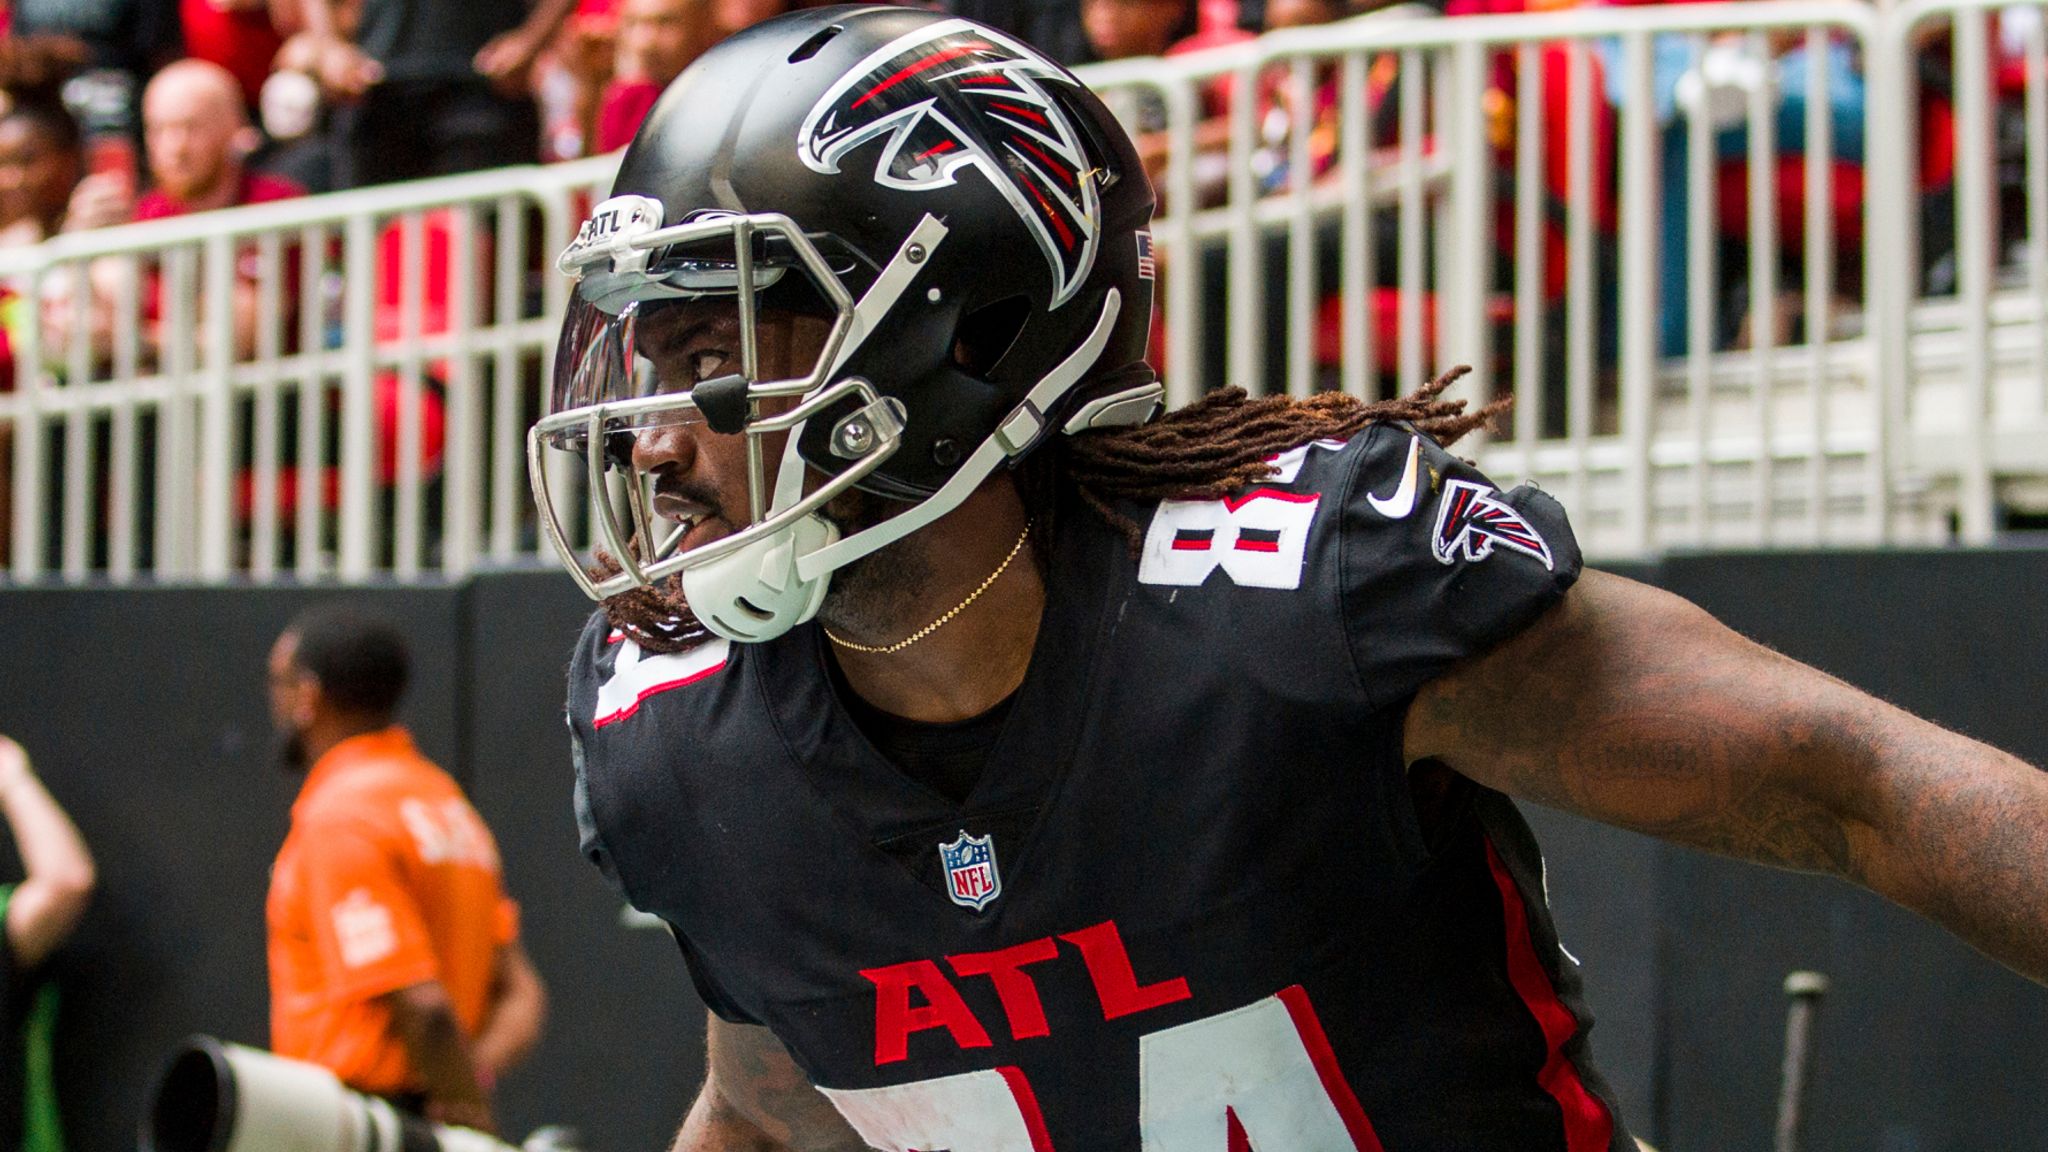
x=1225, y=442
x=1219, y=444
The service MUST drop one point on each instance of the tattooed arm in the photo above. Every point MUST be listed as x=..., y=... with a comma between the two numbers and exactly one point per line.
x=1631, y=706
x=755, y=1099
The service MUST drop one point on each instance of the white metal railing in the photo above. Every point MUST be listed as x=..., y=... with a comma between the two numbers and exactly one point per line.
x=1575, y=232
x=1383, y=198
x=349, y=414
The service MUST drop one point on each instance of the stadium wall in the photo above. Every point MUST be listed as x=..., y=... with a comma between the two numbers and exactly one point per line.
x=146, y=711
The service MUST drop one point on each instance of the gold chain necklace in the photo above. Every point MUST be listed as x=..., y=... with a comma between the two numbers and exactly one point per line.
x=934, y=626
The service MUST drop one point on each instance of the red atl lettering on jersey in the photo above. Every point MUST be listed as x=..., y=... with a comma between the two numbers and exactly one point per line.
x=1005, y=969
x=895, y=1019
x=1102, y=949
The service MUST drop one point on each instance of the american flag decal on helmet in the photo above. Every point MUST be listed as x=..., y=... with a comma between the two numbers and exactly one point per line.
x=1472, y=518
x=955, y=95
x=1148, y=266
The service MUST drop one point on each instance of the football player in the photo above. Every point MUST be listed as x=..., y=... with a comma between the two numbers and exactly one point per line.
x=1020, y=768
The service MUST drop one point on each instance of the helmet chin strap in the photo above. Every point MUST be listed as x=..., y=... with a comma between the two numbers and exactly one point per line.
x=1011, y=438
x=761, y=590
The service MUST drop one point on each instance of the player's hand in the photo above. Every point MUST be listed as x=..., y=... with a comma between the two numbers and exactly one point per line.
x=345, y=72
x=101, y=200
x=507, y=61
x=463, y=1112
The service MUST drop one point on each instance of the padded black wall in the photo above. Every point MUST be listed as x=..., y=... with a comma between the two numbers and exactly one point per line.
x=146, y=713
x=624, y=1048
x=145, y=710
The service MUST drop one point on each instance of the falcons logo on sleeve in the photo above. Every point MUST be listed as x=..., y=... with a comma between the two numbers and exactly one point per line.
x=1472, y=518
x=953, y=96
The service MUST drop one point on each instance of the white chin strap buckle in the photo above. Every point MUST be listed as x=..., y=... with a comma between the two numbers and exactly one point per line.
x=754, y=594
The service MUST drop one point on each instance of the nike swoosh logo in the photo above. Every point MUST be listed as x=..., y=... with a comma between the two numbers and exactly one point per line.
x=1402, y=502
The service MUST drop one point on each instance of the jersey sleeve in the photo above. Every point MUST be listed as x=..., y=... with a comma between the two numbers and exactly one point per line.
x=589, y=840
x=1436, y=564
x=366, y=926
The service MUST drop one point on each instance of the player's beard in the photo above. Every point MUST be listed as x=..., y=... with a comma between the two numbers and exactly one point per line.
x=874, y=599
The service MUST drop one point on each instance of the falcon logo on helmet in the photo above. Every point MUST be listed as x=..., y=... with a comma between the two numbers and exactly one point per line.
x=956, y=95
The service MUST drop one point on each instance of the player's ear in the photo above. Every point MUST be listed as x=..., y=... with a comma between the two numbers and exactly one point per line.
x=306, y=698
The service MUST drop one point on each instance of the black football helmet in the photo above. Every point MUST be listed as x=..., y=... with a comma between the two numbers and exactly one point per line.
x=968, y=216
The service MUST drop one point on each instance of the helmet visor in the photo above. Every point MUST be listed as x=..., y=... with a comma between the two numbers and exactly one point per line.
x=600, y=362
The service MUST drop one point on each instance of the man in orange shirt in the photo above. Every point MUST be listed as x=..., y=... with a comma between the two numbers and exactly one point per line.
x=394, y=951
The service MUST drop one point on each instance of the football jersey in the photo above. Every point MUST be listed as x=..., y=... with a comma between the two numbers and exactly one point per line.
x=1189, y=906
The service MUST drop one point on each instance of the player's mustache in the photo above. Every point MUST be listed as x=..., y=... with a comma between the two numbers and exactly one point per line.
x=691, y=489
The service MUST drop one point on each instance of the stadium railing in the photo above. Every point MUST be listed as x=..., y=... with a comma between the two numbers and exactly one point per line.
x=370, y=423
x=1861, y=356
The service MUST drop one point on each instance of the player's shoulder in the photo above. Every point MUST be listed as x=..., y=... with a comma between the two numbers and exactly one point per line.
x=1409, y=492
x=612, y=674
x=1264, y=534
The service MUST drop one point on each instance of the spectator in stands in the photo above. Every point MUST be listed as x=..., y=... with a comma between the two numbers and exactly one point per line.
x=197, y=135
x=294, y=105
x=730, y=16
x=570, y=79
x=431, y=87
x=39, y=914
x=1716, y=83
x=1119, y=29
x=657, y=39
x=39, y=166
x=394, y=952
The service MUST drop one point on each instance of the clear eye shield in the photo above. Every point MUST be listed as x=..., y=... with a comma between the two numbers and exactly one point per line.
x=625, y=365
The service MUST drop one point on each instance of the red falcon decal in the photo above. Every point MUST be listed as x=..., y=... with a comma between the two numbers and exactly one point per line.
x=954, y=96
x=1472, y=518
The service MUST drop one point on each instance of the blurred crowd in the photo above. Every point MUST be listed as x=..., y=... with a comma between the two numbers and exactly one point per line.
x=114, y=111
x=122, y=110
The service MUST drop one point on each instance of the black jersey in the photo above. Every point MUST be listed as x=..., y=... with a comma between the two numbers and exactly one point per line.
x=1189, y=904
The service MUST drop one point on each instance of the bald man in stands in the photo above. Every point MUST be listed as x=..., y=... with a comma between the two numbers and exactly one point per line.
x=196, y=136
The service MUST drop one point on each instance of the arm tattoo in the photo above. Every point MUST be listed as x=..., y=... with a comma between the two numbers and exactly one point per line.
x=1630, y=706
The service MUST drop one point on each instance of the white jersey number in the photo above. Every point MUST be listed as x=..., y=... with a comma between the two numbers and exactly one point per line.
x=636, y=676
x=1261, y=1076
x=1259, y=539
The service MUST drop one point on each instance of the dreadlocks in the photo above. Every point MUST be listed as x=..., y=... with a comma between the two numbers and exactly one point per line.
x=1226, y=440
x=656, y=617
x=1219, y=444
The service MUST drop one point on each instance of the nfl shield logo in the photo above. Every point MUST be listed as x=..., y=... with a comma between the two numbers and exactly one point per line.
x=971, y=878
